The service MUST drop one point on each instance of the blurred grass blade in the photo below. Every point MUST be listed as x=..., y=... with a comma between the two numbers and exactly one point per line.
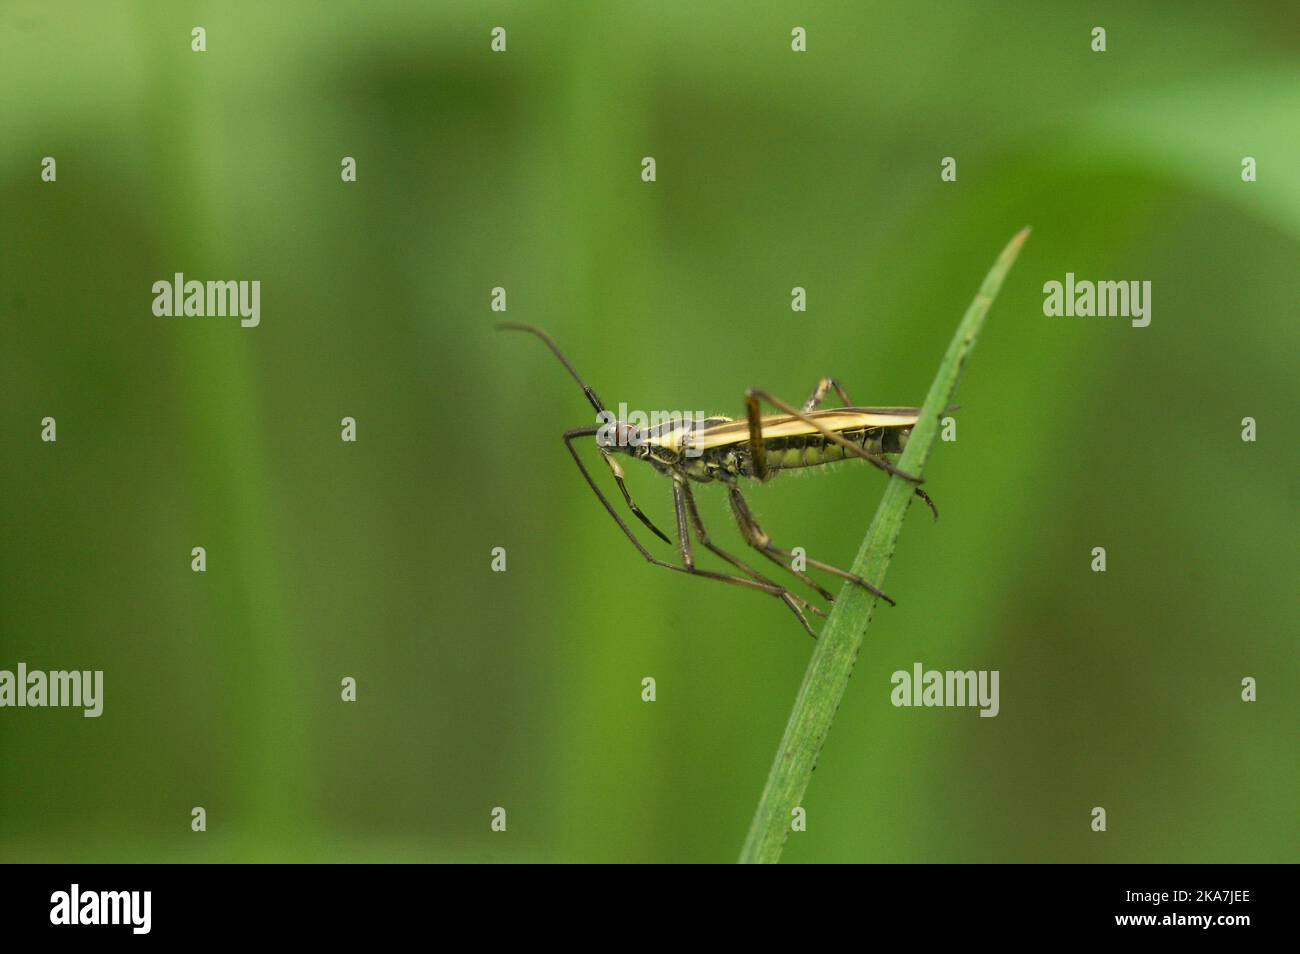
x=841, y=638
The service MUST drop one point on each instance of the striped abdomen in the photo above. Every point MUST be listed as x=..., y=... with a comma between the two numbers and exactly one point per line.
x=809, y=450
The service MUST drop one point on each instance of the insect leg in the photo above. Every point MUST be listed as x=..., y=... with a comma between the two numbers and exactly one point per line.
x=702, y=534
x=757, y=449
x=568, y=437
x=796, y=604
x=683, y=536
x=758, y=539
x=815, y=399
x=617, y=470
x=928, y=501
x=752, y=398
x=819, y=393
x=752, y=532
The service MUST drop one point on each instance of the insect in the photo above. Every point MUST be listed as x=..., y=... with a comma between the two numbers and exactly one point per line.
x=723, y=450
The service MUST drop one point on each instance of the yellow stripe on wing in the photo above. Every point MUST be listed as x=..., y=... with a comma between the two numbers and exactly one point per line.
x=784, y=425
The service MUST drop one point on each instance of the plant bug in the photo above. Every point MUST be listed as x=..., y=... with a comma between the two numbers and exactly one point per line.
x=724, y=450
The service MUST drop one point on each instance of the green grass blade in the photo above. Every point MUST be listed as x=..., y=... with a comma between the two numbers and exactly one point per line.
x=841, y=638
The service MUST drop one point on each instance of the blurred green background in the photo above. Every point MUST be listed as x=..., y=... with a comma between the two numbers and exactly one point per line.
x=775, y=169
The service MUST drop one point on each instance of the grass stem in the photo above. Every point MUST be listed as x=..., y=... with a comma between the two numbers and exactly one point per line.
x=841, y=637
